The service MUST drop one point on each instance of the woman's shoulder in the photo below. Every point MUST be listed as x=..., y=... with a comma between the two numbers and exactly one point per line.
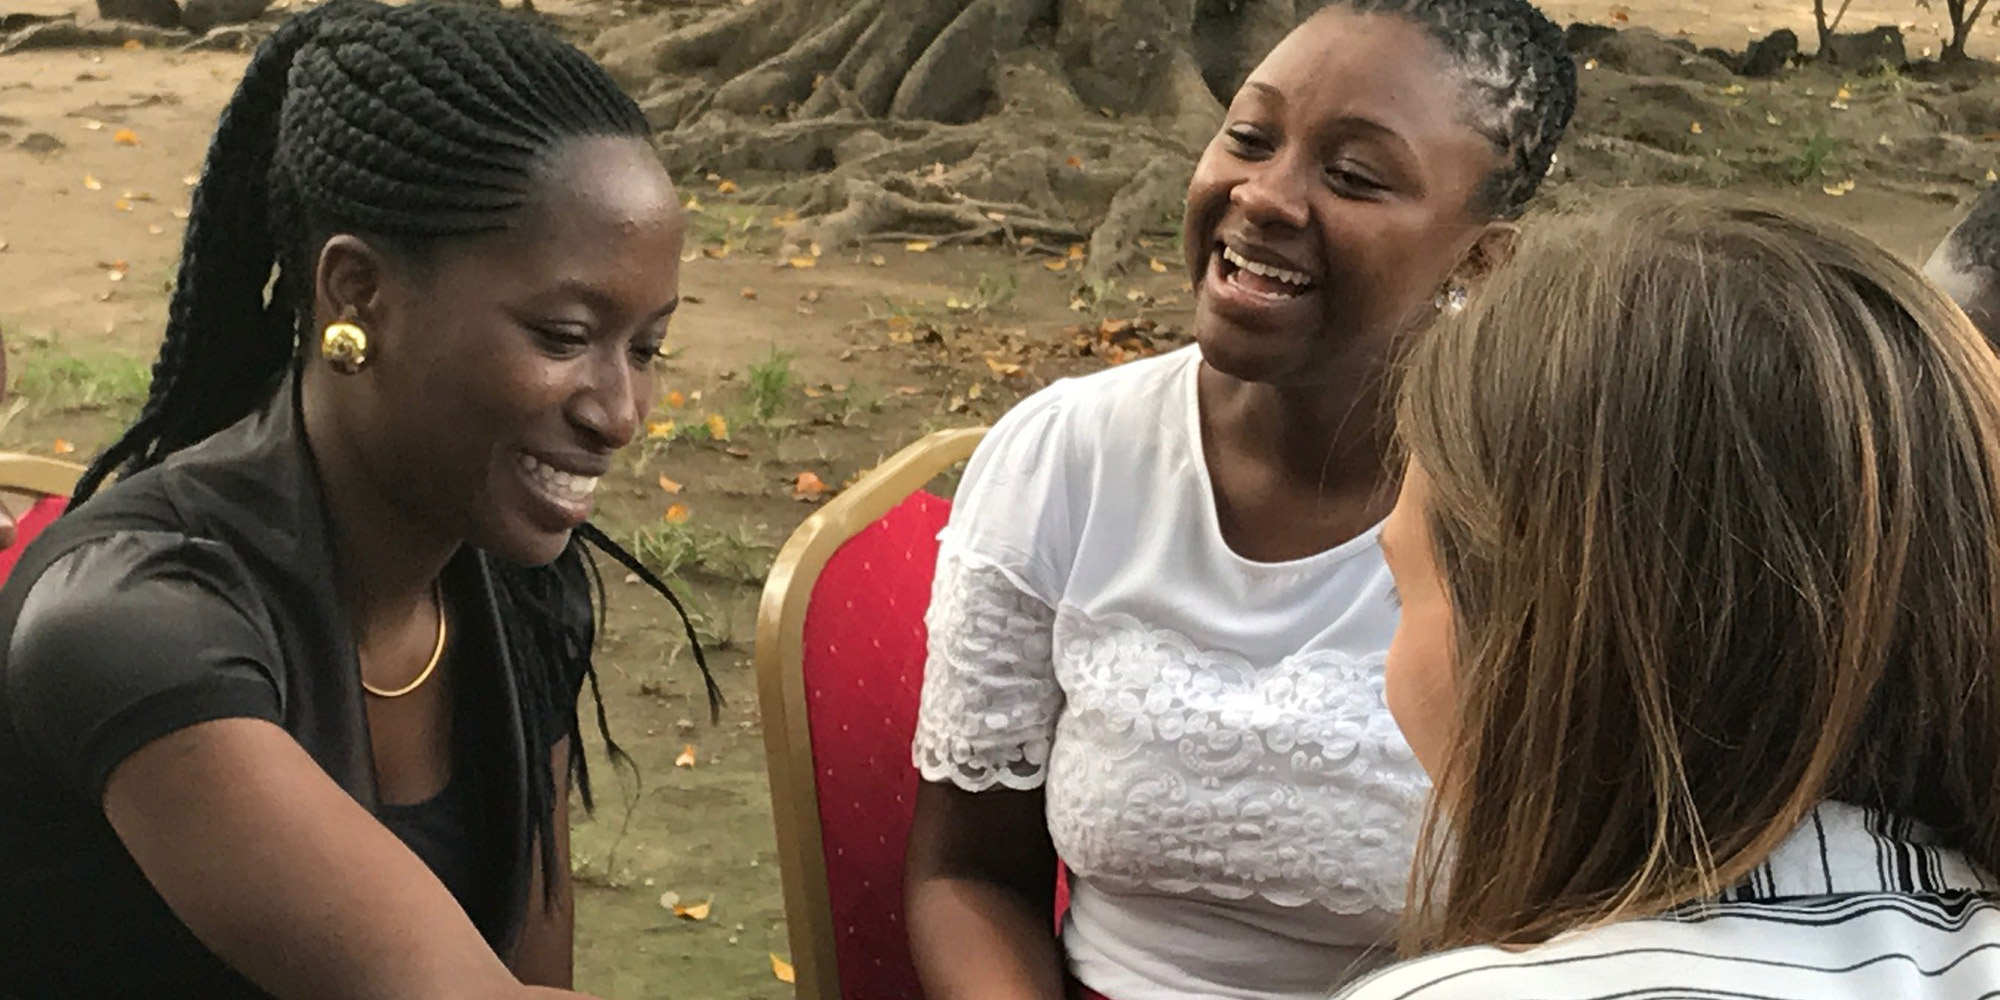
x=1114, y=411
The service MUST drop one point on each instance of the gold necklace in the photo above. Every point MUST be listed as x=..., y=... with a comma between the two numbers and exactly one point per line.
x=437, y=654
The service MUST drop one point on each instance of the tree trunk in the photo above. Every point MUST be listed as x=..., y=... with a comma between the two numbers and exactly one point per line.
x=1079, y=116
x=1965, y=16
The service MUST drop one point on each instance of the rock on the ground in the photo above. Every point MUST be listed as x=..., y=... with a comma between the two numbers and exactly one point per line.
x=1769, y=55
x=40, y=144
x=158, y=13
x=1869, y=49
x=201, y=15
x=1643, y=52
x=1586, y=37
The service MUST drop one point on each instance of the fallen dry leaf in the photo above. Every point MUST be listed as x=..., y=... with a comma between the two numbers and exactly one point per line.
x=668, y=485
x=91, y=183
x=716, y=251
x=1073, y=162
x=1156, y=266
x=750, y=294
x=782, y=969
x=908, y=390
x=918, y=246
x=1076, y=251
x=133, y=45
x=811, y=391
x=808, y=487
x=181, y=214
x=62, y=447
x=189, y=180
x=1590, y=64
x=877, y=260
x=1694, y=127
x=1991, y=176
x=1003, y=369
x=784, y=218
x=694, y=911
x=677, y=514
x=1058, y=264
x=736, y=452
x=957, y=404
x=93, y=125
x=660, y=429
x=718, y=427
x=802, y=263
x=122, y=204
x=686, y=759
x=726, y=187
x=125, y=137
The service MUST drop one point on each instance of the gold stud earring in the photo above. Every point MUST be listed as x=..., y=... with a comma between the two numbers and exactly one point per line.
x=344, y=346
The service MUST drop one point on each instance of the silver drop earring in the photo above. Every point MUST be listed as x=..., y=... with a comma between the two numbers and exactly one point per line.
x=1452, y=300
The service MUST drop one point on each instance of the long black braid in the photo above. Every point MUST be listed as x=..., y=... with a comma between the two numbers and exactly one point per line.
x=407, y=126
x=1523, y=82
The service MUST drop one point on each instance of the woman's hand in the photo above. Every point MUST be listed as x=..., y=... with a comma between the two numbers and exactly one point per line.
x=281, y=873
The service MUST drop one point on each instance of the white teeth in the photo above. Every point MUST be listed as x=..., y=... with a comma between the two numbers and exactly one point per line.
x=563, y=484
x=1289, y=277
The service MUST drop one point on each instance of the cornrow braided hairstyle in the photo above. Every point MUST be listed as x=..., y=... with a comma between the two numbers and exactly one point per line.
x=1520, y=74
x=407, y=126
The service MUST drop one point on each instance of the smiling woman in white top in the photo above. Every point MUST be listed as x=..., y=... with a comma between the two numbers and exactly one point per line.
x=1160, y=615
x=1699, y=551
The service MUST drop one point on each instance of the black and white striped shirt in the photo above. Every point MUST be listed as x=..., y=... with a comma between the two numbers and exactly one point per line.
x=1853, y=906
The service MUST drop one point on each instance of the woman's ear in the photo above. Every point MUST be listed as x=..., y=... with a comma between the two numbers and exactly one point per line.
x=348, y=281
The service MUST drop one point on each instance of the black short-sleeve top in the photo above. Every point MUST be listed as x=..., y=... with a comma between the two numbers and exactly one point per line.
x=201, y=590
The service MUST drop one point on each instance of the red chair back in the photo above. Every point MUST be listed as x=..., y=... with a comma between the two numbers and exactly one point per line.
x=39, y=516
x=863, y=668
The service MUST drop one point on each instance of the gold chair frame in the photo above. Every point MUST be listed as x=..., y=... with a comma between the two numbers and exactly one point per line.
x=47, y=477
x=781, y=692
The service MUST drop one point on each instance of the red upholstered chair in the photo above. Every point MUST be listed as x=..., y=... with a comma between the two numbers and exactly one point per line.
x=840, y=660
x=49, y=481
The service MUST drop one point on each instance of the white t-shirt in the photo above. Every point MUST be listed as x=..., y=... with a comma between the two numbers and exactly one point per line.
x=1224, y=781
x=1853, y=906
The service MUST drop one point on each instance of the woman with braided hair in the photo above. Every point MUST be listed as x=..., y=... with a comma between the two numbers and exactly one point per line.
x=290, y=709
x=1161, y=611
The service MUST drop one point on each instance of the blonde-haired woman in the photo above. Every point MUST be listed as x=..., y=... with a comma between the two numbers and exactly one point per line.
x=1700, y=559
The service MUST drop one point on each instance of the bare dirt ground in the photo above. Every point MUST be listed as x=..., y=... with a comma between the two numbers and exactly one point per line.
x=823, y=366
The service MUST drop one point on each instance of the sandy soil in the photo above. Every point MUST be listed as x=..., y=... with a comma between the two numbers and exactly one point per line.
x=97, y=149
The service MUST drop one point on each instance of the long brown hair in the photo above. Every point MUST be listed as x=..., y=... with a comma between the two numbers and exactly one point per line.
x=1715, y=491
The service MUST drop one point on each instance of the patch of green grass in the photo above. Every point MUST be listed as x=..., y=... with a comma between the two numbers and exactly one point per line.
x=994, y=291
x=771, y=384
x=100, y=381
x=723, y=553
x=847, y=406
x=1811, y=163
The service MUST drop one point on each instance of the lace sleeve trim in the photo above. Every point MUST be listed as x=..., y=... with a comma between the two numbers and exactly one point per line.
x=990, y=697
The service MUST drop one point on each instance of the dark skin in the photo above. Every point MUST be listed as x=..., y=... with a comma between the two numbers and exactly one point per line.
x=1347, y=163
x=533, y=342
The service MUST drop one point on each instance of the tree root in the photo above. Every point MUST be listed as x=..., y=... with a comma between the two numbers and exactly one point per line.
x=947, y=82
x=72, y=35
x=1152, y=193
x=875, y=212
x=789, y=77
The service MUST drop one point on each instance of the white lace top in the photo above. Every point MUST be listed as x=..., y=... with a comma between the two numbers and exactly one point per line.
x=1224, y=781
